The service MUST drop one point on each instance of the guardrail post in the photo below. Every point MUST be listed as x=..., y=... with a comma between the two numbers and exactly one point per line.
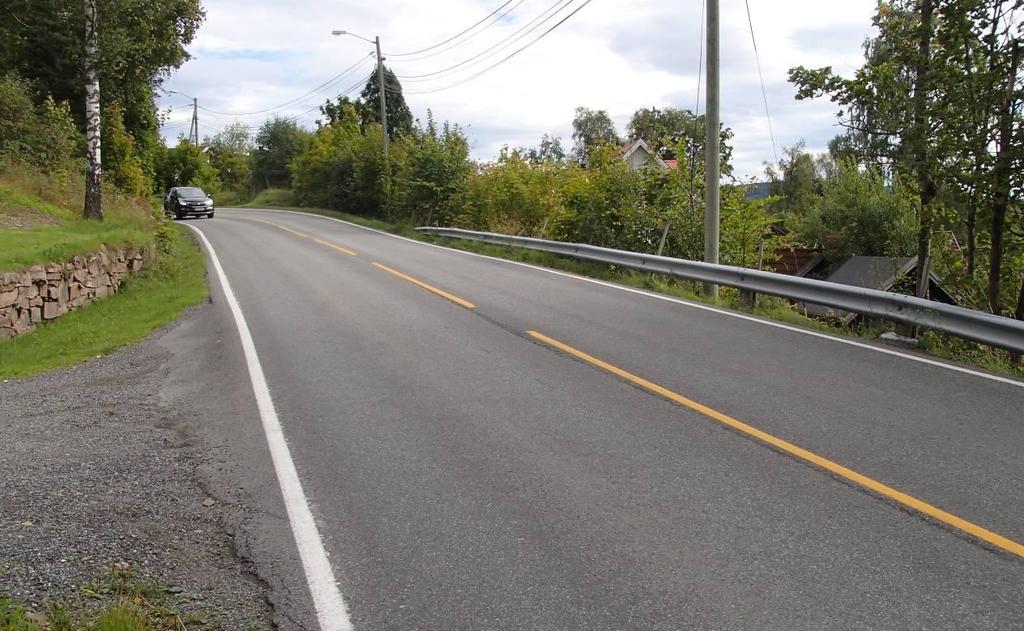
x=748, y=298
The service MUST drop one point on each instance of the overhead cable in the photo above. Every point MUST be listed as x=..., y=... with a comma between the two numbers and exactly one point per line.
x=507, y=57
x=453, y=37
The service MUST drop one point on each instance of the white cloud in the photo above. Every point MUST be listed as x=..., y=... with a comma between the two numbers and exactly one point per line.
x=617, y=55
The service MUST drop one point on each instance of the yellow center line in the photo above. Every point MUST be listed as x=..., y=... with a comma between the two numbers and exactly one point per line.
x=279, y=227
x=439, y=292
x=848, y=474
x=335, y=247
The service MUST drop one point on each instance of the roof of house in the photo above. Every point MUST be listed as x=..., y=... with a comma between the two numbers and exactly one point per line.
x=628, y=148
x=797, y=261
x=633, y=146
x=672, y=164
x=875, y=272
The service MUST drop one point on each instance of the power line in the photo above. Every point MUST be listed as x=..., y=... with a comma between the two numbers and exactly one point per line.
x=764, y=96
x=529, y=27
x=508, y=57
x=346, y=92
x=457, y=35
x=252, y=129
x=319, y=88
x=692, y=158
x=463, y=42
x=700, y=57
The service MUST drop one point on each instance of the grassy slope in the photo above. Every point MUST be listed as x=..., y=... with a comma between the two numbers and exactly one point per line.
x=148, y=300
x=34, y=229
x=938, y=344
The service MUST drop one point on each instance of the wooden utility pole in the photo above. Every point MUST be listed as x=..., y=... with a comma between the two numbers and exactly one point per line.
x=383, y=96
x=94, y=170
x=193, y=129
x=712, y=155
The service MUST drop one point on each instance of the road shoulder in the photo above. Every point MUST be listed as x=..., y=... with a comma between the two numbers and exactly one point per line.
x=100, y=473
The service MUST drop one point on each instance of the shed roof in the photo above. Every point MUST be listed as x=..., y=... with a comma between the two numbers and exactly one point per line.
x=875, y=272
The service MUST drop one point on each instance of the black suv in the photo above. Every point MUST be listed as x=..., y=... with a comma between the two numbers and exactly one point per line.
x=188, y=201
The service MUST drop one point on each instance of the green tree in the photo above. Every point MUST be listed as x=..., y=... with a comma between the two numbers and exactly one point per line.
x=550, y=148
x=140, y=43
x=43, y=135
x=591, y=129
x=796, y=180
x=121, y=166
x=861, y=213
x=334, y=111
x=435, y=169
x=185, y=165
x=277, y=143
x=400, y=120
x=935, y=99
x=748, y=237
x=664, y=130
x=515, y=195
x=228, y=152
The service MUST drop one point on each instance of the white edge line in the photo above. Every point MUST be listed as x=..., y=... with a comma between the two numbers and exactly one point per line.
x=695, y=305
x=330, y=606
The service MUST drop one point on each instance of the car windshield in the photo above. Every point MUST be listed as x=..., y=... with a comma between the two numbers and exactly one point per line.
x=191, y=191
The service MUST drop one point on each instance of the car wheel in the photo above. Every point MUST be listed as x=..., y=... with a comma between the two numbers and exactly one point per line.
x=209, y=215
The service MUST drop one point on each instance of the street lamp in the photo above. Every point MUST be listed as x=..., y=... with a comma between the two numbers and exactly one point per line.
x=380, y=80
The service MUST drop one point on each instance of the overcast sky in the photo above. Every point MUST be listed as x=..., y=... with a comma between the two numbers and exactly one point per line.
x=616, y=55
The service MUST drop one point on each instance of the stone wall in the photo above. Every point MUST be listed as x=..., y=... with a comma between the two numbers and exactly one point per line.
x=45, y=292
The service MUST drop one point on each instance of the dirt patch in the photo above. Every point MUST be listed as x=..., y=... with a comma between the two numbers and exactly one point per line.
x=23, y=217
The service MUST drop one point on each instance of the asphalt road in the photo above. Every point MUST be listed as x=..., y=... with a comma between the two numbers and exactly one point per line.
x=465, y=474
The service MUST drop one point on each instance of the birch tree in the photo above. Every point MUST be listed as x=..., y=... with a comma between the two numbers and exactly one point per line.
x=94, y=171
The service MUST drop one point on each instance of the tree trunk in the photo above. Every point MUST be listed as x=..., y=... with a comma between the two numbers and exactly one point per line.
x=1020, y=303
x=1015, y=357
x=94, y=171
x=925, y=180
x=972, y=235
x=1002, y=172
x=981, y=125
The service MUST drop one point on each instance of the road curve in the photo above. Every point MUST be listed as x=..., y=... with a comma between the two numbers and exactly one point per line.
x=480, y=451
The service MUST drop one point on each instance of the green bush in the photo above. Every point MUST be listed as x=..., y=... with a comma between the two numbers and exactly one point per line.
x=272, y=198
x=42, y=135
x=185, y=165
x=121, y=166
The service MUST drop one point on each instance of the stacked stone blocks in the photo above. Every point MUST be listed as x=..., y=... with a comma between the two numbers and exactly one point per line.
x=46, y=292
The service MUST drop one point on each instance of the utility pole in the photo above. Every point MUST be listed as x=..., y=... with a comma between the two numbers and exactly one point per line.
x=712, y=155
x=383, y=97
x=380, y=82
x=193, y=130
x=94, y=170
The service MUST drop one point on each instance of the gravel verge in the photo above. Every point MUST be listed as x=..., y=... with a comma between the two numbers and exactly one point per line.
x=96, y=471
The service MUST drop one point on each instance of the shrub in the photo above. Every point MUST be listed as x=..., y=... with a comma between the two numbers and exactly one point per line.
x=42, y=135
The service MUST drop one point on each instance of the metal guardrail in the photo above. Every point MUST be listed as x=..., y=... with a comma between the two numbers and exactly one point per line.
x=1005, y=333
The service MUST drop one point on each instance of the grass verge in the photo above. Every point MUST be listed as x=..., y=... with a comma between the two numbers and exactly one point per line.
x=768, y=307
x=120, y=603
x=148, y=300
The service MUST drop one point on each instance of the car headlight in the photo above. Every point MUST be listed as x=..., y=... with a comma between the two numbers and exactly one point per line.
x=209, y=202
